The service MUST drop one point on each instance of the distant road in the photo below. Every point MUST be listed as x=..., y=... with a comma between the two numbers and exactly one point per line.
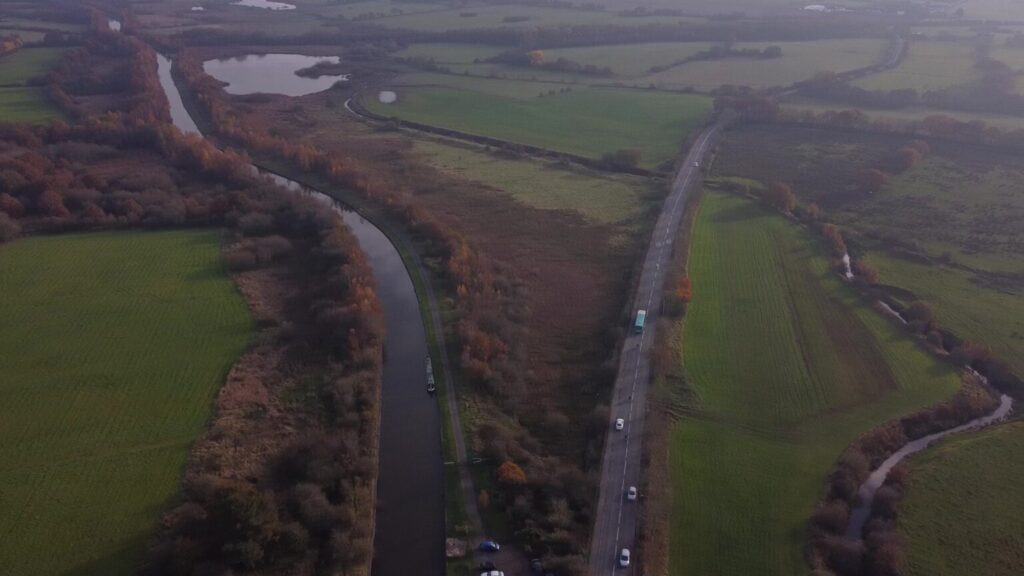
x=617, y=518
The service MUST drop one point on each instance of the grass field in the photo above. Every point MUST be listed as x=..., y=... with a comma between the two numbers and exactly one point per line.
x=947, y=230
x=962, y=511
x=27, y=63
x=929, y=65
x=952, y=204
x=962, y=303
x=787, y=366
x=512, y=16
x=799, y=61
x=585, y=121
x=27, y=36
x=445, y=53
x=40, y=24
x=112, y=347
x=27, y=105
x=629, y=59
x=21, y=103
x=599, y=197
x=914, y=113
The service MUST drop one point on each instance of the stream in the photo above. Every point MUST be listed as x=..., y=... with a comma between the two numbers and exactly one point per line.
x=410, y=517
x=866, y=495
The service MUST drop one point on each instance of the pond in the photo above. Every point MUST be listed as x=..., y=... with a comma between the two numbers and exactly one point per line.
x=272, y=74
x=265, y=4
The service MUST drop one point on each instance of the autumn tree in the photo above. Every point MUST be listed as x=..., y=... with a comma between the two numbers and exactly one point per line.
x=9, y=229
x=906, y=158
x=11, y=206
x=509, y=473
x=835, y=239
x=780, y=196
x=873, y=179
x=684, y=289
x=865, y=272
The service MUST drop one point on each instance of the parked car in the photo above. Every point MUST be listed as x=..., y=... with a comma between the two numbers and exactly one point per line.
x=489, y=546
x=620, y=423
x=624, y=558
x=631, y=493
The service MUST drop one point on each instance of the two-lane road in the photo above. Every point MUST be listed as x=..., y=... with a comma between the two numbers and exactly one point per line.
x=616, y=524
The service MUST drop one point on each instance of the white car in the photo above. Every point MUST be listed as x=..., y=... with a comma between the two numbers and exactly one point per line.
x=620, y=423
x=696, y=164
x=631, y=494
x=624, y=558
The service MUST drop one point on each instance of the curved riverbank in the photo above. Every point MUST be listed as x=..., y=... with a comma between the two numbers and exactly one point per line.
x=409, y=524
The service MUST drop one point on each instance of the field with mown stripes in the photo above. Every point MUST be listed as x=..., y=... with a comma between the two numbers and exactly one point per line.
x=787, y=366
x=112, y=348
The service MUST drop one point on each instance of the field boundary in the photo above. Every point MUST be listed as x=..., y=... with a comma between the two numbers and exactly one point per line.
x=354, y=106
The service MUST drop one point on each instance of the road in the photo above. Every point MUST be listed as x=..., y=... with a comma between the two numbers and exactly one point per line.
x=617, y=518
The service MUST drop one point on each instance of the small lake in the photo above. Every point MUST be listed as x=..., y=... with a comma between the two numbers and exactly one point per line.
x=271, y=74
x=265, y=4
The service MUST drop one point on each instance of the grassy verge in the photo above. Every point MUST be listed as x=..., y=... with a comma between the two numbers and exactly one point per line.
x=961, y=513
x=786, y=366
x=114, y=346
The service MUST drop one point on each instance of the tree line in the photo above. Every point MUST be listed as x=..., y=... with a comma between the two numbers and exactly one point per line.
x=303, y=503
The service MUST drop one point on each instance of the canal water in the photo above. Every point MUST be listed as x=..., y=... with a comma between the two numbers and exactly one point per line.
x=410, y=522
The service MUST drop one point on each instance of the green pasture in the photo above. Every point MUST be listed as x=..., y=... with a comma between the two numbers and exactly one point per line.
x=965, y=303
x=112, y=348
x=513, y=16
x=799, y=61
x=962, y=511
x=446, y=53
x=786, y=366
x=929, y=65
x=27, y=105
x=32, y=24
x=629, y=59
x=27, y=36
x=585, y=121
x=18, y=68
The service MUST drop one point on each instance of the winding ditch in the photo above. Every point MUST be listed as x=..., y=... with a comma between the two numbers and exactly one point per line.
x=409, y=528
x=866, y=494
